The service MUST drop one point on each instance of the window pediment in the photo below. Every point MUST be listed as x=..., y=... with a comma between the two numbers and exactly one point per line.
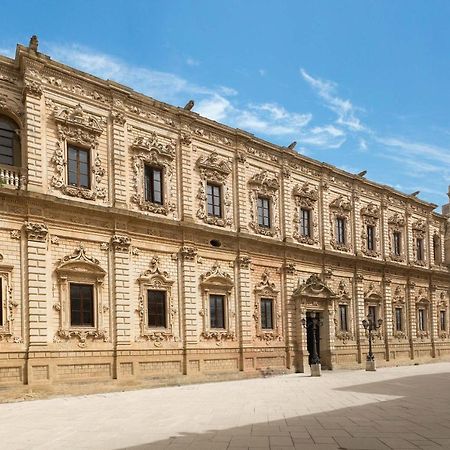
x=80, y=263
x=214, y=168
x=313, y=287
x=306, y=194
x=152, y=145
x=266, y=287
x=341, y=204
x=264, y=182
x=216, y=277
x=397, y=220
x=372, y=293
x=154, y=276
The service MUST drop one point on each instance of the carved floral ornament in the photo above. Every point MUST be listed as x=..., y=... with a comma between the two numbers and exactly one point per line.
x=76, y=126
x=313, y=287
x=156, y=278
x=12, y=104
x=396, y=223
x=217, y=282
x=343, y=297
x=215, y=170
x=264, y=184
x=399, y=302
x=8, y=305
x=370, y=216
x=79, y=267
x=267, y=289
x=120, y=243
x=341, y=207
x=36, y=231
x=306, y=196
x=151, y=150
x=419, y=228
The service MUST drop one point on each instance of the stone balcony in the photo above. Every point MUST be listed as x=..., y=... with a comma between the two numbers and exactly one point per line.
x=11, y=177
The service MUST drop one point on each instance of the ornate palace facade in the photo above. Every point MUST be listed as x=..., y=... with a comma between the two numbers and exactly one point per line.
x=139, y=240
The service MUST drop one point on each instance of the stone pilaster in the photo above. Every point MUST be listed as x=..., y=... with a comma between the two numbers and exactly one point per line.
x=289, y=314
x=122, y=289
x=33, y=130
x=356, y=216
x=286, y=205
x=434, y=319
x=388, y=326
x=37, y=282
x=242, y=191
x=189, y=293
x=186, y=164
x=359, y=315
x=119, y=159
x=324, y=213
x=411, y=304
x=244, y=305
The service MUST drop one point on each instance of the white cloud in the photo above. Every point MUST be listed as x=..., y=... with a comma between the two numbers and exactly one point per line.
x=9, y=52
x=345, y=110
x=262, y=72
x=324, y=137
x=192, y=62
x=363, y=145
x=215, y=107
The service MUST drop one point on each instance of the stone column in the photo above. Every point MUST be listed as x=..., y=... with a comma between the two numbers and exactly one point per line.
x=122, y=291
x=245, y=310
x=189, y=300
x=118, y=187
x=387, y=315
x=411, y=303
x=37, y=282
x=360, y=315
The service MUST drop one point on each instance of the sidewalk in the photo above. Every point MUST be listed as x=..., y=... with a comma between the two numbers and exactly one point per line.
x=393, y=408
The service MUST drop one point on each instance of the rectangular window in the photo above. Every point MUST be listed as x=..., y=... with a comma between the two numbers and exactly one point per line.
x=419, y=249
x=442, y=321
x=217, y=311
x=78, y=167
x=343, y=317
x=398, y=319
x=153, y=185
x=422, y=324
x=340, y=230
x=436, y=250
x=1, y=302
x=305, y=222
x=263, y=212
x=370, y=237
x=156, y=309
x=397, y=243
x=81, y=305
x=6, y=145
x=266, y=313
x=213, y=192
x=372, y=313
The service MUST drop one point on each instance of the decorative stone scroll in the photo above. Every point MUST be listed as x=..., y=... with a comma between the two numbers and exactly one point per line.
x=80, y=268
x=152, y=151
x=419, y=231
x=423, y=303
x=374, y=298
x=37, y=232
x=218, y=282
x=266, y=185
x=8, y=306
x=370, y=216
x=121, y=244
x=76, y=126
x=157, y=279
x=214, y=170
x=396, y=224
x=343, y=297
x=306, y=196
x=340, y=208
x=399, y=302
x=442, y=306
x=267, y=289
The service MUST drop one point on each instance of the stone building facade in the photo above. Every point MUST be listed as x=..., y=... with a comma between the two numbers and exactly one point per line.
x=139, y=240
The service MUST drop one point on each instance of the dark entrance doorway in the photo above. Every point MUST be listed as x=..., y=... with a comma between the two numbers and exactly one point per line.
x=313, y=331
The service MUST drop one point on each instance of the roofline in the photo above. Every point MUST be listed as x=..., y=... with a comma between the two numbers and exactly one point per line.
x=22, y=51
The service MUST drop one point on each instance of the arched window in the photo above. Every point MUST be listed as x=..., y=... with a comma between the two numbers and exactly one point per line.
x=9, y=142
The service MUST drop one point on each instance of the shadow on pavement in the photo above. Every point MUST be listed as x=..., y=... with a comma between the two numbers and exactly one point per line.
x=419, y=419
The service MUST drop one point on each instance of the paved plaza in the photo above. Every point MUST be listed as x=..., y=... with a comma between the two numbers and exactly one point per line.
x=393, y=408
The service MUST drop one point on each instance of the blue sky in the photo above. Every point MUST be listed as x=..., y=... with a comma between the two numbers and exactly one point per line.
x=359, y=84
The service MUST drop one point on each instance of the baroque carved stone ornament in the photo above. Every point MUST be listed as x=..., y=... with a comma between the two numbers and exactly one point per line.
x=370, y=216
x=121, y=244
x=77, y=127
x=150, y=150
x=396, y=224
x=36, y=231
x=188, y=253
x=264, y=184
x=216, y=170
x=419, y=228
x=158, y=279
x=340, y=208
x=8, y=305
x=305, y=197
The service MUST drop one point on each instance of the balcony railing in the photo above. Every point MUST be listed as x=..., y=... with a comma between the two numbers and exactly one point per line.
x=11, y=177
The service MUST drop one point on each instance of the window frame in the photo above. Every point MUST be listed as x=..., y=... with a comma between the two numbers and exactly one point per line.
x=341, y=232
x=344, y=326
x=152, y=168
x=8, y=305
x=398, y=324
x=264, y=318
x=78, y=150
x=370, y=231
x=397, y=244
x=224, y=317
x=308, y=228
x=261, y=199
x=213, y=186
x=164, y=315
x=92, y=307
x=16, y=142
